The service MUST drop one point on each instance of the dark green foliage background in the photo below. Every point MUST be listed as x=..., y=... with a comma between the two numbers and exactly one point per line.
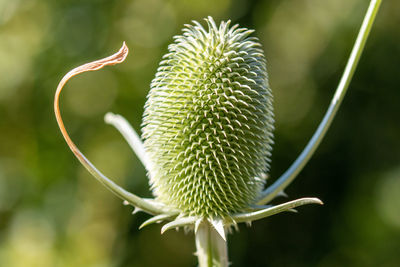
x=52, y=213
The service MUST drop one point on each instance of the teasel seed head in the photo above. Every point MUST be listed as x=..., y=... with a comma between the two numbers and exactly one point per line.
x=208, y=122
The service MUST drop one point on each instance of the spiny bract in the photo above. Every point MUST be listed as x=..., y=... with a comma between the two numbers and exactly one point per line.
x=208, y=122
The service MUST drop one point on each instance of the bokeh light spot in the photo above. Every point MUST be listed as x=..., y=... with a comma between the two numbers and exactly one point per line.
x=388, y=198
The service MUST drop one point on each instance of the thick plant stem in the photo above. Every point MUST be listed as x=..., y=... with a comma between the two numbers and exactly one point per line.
x=212, y=250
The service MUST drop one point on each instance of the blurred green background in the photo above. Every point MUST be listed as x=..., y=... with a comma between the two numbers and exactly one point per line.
x=53, y=213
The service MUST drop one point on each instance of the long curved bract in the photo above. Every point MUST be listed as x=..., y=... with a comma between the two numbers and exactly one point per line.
x=143, y=204
x=286, y=178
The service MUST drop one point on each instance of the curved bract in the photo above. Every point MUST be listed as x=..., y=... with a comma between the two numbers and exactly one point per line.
x=208, y=122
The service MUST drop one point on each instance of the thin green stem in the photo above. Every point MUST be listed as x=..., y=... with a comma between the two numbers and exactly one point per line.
x=211, y=248
x=304, y=157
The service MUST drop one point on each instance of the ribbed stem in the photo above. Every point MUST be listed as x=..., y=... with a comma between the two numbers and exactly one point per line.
x=212, y=250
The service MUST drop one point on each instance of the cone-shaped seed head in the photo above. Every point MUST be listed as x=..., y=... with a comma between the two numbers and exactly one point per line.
x=208, y=121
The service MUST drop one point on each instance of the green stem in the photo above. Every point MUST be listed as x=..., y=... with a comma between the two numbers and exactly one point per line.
x=211, y=248
x=304, y=157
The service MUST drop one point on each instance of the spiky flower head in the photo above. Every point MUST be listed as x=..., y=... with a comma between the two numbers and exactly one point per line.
x=208, y=121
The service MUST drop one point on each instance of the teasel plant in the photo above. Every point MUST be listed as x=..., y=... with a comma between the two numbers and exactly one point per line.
x=207, y=134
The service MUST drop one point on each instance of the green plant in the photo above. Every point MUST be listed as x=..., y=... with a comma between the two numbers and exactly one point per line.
x=207, y=133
